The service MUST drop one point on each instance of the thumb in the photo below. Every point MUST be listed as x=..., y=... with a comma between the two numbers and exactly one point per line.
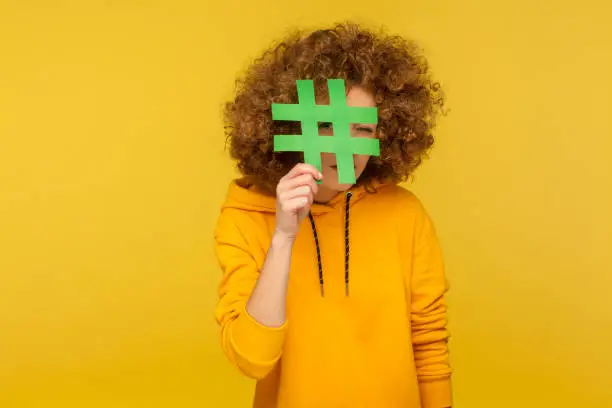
x=303, y=213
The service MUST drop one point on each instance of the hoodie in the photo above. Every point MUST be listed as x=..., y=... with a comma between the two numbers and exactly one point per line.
x=365, y=308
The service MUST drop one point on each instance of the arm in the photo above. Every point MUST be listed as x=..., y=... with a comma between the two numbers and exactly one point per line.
x=428, y=315
x=253, y=291
x=251, y=309
x=267, y=302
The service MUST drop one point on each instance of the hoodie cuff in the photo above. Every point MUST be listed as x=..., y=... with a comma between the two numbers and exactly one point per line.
x=255, y=342
x=436, y=394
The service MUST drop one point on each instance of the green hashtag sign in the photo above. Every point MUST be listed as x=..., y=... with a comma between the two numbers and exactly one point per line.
x=340, y=115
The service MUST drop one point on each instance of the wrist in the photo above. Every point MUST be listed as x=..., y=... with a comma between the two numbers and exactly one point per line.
x=282, y=239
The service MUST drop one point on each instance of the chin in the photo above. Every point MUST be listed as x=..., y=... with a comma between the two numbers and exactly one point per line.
x=337, y=187
x=330, y=179
x=343, y=187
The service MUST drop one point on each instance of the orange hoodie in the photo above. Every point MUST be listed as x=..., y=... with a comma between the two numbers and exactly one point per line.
x=366, y=317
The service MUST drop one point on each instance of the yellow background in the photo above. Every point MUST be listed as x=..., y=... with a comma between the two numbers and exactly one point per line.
x=112, y=170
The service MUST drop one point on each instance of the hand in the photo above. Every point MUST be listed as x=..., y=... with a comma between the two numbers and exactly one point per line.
x=294, y=195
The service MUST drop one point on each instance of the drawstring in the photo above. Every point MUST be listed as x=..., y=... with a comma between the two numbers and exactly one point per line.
x=346, y=243
x=316, y=238
x=346, y=246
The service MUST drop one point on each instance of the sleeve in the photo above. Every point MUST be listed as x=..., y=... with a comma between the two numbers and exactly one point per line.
x=428, y=316
x=252, y=347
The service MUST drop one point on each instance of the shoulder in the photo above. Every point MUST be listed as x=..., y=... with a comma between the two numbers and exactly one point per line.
x=405, y=208
x=245, y=210
x=399, y=199
x=240, y=223
x=239, y=233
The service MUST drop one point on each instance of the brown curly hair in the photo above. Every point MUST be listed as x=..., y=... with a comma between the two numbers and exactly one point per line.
x=394, y=68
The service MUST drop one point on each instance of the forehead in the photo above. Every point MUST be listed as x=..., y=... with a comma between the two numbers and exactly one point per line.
x=356, y=96
x=359, y=96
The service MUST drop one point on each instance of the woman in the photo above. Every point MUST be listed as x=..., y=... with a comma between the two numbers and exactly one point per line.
x=332, y=294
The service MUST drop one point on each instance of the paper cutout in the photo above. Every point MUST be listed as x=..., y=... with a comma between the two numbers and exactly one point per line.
x=340, y=115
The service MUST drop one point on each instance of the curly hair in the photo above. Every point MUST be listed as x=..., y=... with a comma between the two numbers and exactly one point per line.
x=408, y=100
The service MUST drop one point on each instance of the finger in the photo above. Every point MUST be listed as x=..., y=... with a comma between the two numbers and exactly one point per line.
x=303, y=180
x=303, y=168
x=294, y=205
x=301, y=191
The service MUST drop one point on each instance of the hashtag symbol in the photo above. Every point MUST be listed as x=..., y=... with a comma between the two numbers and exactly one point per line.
x=340, y=115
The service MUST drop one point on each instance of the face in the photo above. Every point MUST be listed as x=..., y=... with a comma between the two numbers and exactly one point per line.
x=357, y=96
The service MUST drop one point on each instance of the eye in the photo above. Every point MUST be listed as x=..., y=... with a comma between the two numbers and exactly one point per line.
x=325, y=125
x=364, y=129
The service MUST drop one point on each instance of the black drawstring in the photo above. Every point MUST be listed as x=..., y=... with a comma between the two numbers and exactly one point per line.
x=346, y=242
x=346, y=247
x=316, y=238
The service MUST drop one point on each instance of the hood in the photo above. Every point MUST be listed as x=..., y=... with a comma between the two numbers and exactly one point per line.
x=243, y=195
